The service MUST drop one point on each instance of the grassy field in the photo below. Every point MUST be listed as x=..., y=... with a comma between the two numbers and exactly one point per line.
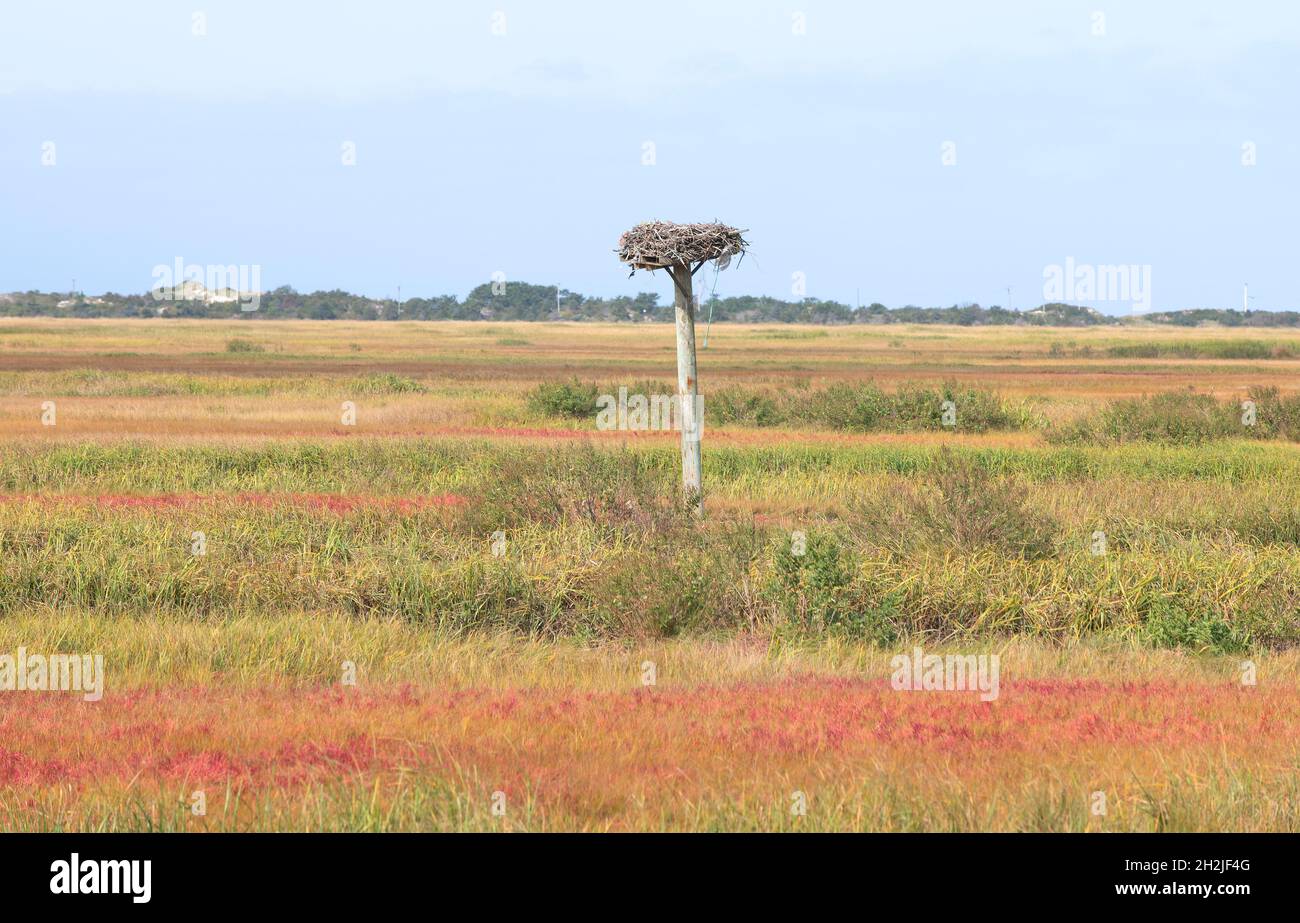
x=393, y=576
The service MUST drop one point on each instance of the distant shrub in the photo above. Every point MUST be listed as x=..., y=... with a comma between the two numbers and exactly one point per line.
x=1177, y=417
x=1277, y=416
x=386, y=383
x=866, y=408
x=564, y=399
x=1185, y=418
x=1204, y=349
x=790, y=334
x=858, y=407
x=743, y=407
x=239, y=345
x=1134, y=351
x=846, y=406
x=659, y=593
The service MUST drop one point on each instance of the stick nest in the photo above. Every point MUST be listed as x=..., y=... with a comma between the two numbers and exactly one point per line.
x=659, y=244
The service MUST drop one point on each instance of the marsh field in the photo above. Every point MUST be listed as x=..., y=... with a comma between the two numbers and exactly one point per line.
x=394, y=576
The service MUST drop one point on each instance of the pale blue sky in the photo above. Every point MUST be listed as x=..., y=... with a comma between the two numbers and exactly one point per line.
x=522, y=152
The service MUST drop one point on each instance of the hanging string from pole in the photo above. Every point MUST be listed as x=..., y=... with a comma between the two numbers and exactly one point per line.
x=709, y=326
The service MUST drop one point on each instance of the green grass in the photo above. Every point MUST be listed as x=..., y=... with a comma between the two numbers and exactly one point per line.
x=378, y=466
x=1204, y=349
x=939, y=544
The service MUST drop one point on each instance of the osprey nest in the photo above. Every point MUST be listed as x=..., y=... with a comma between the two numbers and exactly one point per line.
x=660, y=244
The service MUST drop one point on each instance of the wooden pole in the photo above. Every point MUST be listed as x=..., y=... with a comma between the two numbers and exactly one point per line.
x=687, y=384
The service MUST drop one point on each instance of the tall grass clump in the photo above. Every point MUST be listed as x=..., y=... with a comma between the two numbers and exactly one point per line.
x=969, y=509
x=618, y=491
x=960, y=507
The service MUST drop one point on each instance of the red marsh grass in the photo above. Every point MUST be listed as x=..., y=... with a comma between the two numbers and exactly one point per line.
x=1169, y=754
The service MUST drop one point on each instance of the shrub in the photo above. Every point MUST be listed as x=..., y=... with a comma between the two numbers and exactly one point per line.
x=1175, y=417
x=386, y=383
x=660, y=593
x=239, y=345
x=855, y=407
x=875, y=621
x=811, y=585
x=1278, y=417
x=564, y=399
x=1167, y=624
x=867, y=408
x=737, y=405
x=969, y=509
x=621, y=492
x=1185, y=418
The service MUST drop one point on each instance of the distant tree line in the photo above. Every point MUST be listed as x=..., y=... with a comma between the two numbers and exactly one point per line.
x=520, y=301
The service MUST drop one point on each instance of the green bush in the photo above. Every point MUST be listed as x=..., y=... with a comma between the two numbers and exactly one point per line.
x=1177, y=417
x=856, y=407
x=564, y=399
x=1204, y=349
x=1277, y=417
x=385, y=383
x=873, y=620
x=1185, y=418
x=739, y=406
x=812, y=576
x=1169, y=625
x=868, y=408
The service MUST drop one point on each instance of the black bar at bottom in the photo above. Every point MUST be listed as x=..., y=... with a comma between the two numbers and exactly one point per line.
x=645, y=873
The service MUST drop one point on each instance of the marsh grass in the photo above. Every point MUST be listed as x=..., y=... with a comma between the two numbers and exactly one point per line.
x=1204, y=349
x=377, y=549
x=597, y=548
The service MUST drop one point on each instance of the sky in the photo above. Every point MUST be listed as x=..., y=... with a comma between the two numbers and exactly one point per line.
x=927, y=153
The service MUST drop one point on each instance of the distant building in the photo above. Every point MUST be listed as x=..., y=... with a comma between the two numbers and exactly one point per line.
x=191, y=290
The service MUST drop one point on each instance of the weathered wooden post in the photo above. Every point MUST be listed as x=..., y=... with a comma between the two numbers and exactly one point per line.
x=681, y=249
x=688, y=388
